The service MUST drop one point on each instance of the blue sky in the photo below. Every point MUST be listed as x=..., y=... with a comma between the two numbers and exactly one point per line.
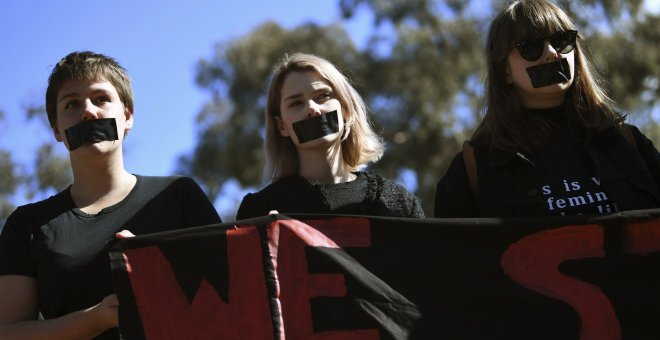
x=158, y=42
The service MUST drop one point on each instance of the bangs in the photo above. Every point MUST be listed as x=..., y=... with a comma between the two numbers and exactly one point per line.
x=534, y=19
x=95, y=72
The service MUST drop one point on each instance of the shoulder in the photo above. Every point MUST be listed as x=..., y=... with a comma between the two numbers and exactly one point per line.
x=249, y=206
x=168, y=190
x=455, y=173
x=161, y=183
x=280, y=186
x=395, y=190
x=288, y=194
x=254, y=204
x=634, y=135
x=400, y=201
x=253, y=198
x=458, y=162
x=645, y=147
x=57, y=202
x=385, y=185
x=622, y=138
x=163, y=180
x=36, y=214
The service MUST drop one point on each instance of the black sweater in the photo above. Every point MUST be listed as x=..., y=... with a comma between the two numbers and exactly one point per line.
x=369, y=194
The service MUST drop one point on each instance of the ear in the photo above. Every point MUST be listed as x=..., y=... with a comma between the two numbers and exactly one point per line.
x=58, y=135
x=284, y=132
x=128, y=115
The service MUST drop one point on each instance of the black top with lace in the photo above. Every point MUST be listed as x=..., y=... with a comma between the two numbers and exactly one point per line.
x=369, y=194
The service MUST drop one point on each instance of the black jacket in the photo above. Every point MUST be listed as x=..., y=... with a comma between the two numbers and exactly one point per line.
x=508, y=184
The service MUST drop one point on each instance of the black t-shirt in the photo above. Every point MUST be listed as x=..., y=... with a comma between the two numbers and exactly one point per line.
x=65, y=249
x=568, y=178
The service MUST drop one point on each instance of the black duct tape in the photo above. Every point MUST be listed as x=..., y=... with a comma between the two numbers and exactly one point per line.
x=555, y=72
x=316, y=127
x=91, y=131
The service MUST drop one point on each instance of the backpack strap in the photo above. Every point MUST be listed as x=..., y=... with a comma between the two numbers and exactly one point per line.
x=470, y=166
x=627, y=133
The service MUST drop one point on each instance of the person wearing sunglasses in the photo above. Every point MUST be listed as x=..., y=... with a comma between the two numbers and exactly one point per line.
x=550, y=142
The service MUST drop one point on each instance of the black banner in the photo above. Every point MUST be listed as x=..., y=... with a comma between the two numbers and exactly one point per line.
x=356, y=277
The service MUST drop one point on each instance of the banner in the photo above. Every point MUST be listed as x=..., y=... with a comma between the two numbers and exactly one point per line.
x=356, y=277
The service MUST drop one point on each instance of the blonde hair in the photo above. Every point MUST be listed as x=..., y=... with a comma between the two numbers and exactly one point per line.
x=360, y=145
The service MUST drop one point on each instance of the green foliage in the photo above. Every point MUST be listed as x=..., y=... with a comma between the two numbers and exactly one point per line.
x=420, y=84
x=9, y=181
x=53, y=172
x=50, y=172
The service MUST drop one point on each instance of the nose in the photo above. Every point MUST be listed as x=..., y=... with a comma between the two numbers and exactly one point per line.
x=313, y=109
x=550, y=52
x=90, y=111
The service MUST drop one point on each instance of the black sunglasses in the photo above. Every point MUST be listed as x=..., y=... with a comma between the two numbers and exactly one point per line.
x=562, y=41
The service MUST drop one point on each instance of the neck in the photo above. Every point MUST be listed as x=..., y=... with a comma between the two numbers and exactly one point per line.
x=328, y=167
x=98, y=184
x=544, y=102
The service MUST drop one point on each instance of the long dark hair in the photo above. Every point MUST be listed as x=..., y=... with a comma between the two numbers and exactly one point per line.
x=505, y=126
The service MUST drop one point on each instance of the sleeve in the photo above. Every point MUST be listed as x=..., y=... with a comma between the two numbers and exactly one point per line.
x=248, y=208
x=649, y=153
x=15, y=252
x=398, y=201
x=417, y=211
x=453, y=195
x=198, y=209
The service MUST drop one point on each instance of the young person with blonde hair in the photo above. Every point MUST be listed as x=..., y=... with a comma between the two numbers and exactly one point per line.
x=318, y=142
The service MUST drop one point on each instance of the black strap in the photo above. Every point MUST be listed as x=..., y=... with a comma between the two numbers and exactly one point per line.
x=470, y=166
x=627, y=133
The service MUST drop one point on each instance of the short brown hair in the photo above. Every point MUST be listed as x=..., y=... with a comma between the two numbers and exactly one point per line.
x=87, y=65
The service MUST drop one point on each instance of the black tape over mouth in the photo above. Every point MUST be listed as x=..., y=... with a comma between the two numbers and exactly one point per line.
x=316, y=127
x=556, y=72
x=91, y=131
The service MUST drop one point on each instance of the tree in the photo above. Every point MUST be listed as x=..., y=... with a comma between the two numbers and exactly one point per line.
x=421, y=74
x=424, y=95
x=50, y=172
x=9, y=180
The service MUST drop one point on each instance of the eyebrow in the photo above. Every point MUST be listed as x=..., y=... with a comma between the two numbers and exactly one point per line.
x=294, y=96
x=76, y=94
x=323, y=88
x=68, y=95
